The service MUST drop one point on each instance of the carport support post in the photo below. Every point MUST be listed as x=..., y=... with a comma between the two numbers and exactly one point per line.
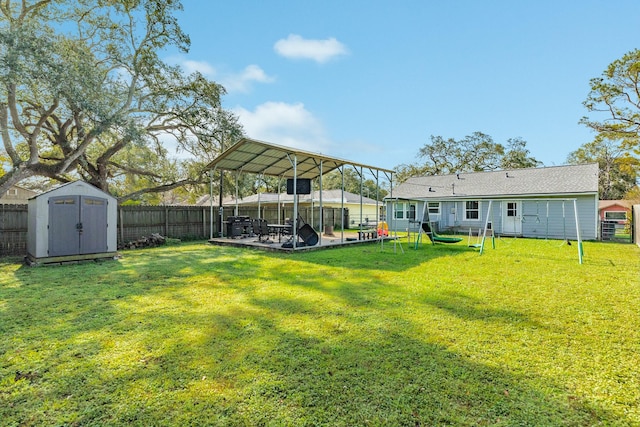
x=220, y=208
x=211, y=207
x=361, y=191
x=294, y=232
x=342, y=205
x=279, y=191
x=235, y=212
x=321, y=209
x=220, y=203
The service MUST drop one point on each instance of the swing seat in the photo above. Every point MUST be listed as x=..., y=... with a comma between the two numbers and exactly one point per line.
x=438, y=239
x=474, y=245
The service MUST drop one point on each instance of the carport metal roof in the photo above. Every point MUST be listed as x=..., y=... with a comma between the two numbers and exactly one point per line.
x=259, y=157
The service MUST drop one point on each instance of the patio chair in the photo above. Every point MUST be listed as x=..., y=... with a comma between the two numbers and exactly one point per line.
x=261, y=228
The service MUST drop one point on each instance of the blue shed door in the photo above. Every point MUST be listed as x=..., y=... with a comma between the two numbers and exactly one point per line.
x=93, y=217
x=64, y=218
x=77, y=225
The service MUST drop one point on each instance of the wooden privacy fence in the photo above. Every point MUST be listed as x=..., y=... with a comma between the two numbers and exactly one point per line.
x=13, y=229
x=180, y=222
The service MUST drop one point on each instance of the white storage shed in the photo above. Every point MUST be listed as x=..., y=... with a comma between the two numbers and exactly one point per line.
x=74, y=221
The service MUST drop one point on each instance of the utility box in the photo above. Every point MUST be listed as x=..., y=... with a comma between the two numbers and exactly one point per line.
x=75, y=221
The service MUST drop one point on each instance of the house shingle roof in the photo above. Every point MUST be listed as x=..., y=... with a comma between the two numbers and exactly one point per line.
x=543, y=182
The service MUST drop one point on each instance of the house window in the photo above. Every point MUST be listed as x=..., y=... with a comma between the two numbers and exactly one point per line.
x=512, y=209
x=405, y=210
x=472, y=210
x=12, y=192
x=615, y=216
x=434, y=208
x=411, y=214
x=399, y=211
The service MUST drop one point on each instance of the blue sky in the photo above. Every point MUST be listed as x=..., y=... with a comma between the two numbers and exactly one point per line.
x=372, y=81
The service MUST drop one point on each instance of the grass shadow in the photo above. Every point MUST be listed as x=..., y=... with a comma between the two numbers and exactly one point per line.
x=198, y=335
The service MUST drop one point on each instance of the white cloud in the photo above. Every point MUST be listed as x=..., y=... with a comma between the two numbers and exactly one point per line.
x=285, y=124
x=202, y=67
x=241, y=82
x=320, y=51
x=233, y=82
x=191, y=66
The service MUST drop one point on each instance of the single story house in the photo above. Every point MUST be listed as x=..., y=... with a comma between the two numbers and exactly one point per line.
x=534, y=202
x=17, y=195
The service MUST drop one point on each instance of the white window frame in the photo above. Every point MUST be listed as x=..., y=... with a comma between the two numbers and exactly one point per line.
x=434, y=205
x=466, y=211
x=404, y=209
x=398, y=208
x=434, y=209
x=606, y=217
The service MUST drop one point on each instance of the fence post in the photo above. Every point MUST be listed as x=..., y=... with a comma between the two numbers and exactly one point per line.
x=166, y=221
x=121, y=226
x=204, y=222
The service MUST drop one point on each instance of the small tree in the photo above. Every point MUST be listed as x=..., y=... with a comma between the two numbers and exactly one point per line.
x=616, y=169
x=352, y=183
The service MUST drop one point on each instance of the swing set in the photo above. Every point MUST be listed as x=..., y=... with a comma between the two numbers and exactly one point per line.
x=427, y=227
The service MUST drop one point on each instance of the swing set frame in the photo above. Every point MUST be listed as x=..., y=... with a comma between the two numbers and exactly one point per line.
x=490, y=217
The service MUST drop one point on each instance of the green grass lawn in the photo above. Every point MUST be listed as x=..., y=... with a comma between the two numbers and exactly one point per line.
x=194, y=334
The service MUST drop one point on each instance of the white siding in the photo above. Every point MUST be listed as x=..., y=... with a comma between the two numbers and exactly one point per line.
x=536, y=223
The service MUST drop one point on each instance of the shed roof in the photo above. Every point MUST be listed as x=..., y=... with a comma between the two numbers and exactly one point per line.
x=253, y=156
x=542, y=182
x=72, y=188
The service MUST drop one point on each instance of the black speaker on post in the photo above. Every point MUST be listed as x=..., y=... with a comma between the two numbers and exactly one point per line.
x=303, y=186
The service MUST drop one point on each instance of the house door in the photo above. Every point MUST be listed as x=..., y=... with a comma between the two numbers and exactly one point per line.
x=511, y=218
x=77, y=225
x=452, y=217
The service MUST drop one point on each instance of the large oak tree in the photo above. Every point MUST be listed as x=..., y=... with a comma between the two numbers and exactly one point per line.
x=617, y=175
x=474, y=153
x=84, y=94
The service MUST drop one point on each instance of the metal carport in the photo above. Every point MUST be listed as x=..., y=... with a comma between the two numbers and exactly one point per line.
x=260, y=157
